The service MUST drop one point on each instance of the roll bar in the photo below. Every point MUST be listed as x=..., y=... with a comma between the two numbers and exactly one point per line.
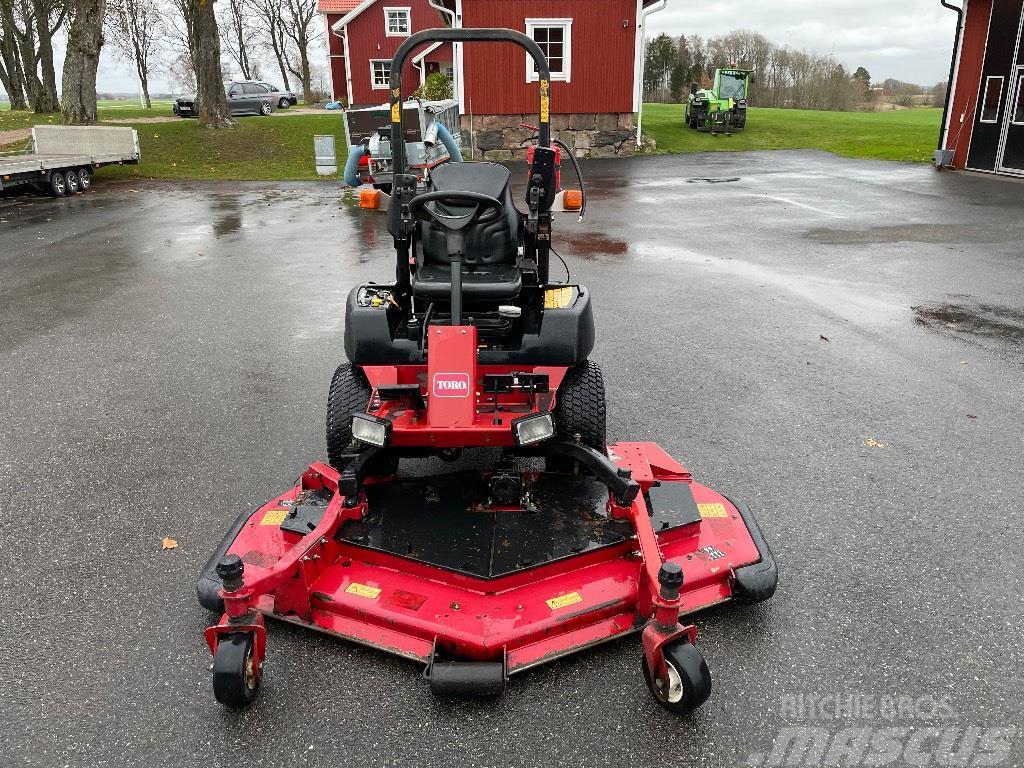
x=464, y=36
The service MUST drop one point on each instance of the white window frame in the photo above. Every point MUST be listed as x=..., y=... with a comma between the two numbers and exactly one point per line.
x=1017, y=100
x=408, y=20
x=984, y=100
x=373, y=75
x=566, y=24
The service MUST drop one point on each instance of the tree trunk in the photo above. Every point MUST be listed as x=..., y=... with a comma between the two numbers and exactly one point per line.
x=307, y=87
x=10, y=63
x=85, y=39
x=213, y=105
x=48, y=101
x=278, y=45
x=142, y=69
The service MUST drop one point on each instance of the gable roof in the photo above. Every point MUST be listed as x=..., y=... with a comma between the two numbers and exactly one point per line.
x=337, y=6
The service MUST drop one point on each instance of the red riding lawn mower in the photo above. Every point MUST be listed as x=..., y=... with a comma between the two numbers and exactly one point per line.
x=564, y=543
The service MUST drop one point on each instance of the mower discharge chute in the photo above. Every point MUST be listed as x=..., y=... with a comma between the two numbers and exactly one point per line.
x=723, y=107
x=563, y=543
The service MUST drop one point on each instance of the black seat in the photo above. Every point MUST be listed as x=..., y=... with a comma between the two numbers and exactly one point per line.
x=490, y=264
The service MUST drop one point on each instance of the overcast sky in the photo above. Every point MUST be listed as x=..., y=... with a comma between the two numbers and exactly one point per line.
x=906, y=39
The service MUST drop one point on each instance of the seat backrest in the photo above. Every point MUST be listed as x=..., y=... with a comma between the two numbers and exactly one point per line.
x=494, y=242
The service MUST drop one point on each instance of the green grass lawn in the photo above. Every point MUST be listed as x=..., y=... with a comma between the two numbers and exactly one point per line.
x=258, y=148
x=906, y=135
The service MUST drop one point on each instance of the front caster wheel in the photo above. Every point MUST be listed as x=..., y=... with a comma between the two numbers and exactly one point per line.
x=236, y=674
x=688, y=682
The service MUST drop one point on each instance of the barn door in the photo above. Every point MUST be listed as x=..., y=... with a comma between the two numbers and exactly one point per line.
x=1013, y=138
x=998, y=85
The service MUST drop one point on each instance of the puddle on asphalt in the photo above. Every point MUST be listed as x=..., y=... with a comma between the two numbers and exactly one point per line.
x=973, y=322
x=713, y=180
x=588, y=245
x=936, y=234
x=229, y=216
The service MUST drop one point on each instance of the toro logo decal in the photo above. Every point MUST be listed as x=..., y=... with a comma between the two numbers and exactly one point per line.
x=450, y=385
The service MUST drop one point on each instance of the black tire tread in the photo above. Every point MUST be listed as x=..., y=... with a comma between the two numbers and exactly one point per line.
x=693, y=669
x=581, y=407
x=349, y=393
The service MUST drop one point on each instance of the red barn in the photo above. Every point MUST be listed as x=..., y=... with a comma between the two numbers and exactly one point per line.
x=594, y=49
x=363, y=36
x=984, y=125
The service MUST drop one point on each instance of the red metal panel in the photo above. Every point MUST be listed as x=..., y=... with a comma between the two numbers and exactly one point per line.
x=451, y=376
x=968, y=82
x=367, y=40
x=603, y=39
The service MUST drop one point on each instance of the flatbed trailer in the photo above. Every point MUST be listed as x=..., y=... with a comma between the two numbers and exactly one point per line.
x=63, y=158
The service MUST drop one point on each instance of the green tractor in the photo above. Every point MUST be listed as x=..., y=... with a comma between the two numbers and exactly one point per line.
x=723, y=107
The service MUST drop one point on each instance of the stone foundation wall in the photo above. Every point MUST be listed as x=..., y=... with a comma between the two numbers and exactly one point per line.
x=590, y=135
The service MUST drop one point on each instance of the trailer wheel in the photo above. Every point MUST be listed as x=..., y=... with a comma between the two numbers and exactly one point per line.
x=58, y=184
x=84, y=179
x=350, y=392
x=580, y=408
x=71, y=179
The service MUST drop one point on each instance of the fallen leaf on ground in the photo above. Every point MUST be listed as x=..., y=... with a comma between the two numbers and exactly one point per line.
x=824, y=338
x=971, y=416
x=168, y=543
x=963, y=362
x=872, y=443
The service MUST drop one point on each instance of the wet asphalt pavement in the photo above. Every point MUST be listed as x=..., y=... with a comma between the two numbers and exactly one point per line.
x=165, y=352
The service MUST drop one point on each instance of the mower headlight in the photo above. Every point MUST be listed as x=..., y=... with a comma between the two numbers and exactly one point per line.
x=533, y=429
x=371, y=429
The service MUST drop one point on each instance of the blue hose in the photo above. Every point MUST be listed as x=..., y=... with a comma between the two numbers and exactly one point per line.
x=449, y=143
x=355, y=154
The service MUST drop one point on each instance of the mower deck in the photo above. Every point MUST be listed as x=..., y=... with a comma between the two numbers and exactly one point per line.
x=427, y=569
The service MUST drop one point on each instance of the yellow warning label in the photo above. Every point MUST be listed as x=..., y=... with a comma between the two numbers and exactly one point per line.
x=557, y=298
x=712, y=510
x=396, y=113
x=363, y=590
x=545, y=108
x=563, y=600
x=274, y=516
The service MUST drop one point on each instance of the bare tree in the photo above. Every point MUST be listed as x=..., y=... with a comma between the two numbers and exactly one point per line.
x=271, y=22
x=85, y=39
x=240, y=37
x=213, y=105
x=11, y=75
x=28, y=27
x=134, y=27
x=300, y=27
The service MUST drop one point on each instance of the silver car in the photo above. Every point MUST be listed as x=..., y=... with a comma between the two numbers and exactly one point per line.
x=244, y=98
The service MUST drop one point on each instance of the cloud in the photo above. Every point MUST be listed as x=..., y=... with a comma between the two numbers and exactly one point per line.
x=906, y=39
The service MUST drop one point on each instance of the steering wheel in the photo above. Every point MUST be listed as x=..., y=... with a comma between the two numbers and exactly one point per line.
x=485, y=209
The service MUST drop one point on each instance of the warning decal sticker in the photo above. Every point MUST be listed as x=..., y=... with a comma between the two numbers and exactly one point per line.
x=563, y=600
x=363, y=590
x=274, y=516
x=712, y=510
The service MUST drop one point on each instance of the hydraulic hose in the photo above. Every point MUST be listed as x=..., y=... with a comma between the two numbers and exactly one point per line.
x=355, y=154
x=449, y=142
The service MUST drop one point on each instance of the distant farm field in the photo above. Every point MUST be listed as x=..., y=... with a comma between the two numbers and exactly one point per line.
x=909, y=135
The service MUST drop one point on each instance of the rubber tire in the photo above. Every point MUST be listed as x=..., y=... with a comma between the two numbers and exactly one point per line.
x=229, y=680
x=71, y=180
x=266, y=109
x=58, y=184
x=350, y=392
x=581, y=408
x=693, y=672
x=284, y=104
x=84, y=179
